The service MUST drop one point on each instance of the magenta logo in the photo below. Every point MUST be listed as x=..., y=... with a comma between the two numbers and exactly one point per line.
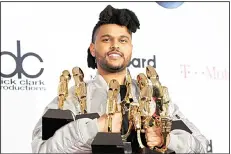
x=208, y=72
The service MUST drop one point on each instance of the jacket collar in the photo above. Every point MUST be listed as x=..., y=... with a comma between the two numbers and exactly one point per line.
x=102, y=84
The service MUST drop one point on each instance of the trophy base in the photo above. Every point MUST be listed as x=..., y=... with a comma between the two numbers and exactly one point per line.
x=54, y=119
x=107, y=143
x=127, y=147
x=87, y=115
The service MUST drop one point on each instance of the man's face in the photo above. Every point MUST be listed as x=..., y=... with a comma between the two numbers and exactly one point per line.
x=112, y=47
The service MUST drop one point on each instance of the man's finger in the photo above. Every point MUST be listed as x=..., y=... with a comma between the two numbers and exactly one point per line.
x=151, y=139
x=152, y=144
x=154, y=128
x=157, y=129
x=153, y=133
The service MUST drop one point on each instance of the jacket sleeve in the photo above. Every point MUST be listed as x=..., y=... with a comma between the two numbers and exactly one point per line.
x=182, y=141
x=75, y=137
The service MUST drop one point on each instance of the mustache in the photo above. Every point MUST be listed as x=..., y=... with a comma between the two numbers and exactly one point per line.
x=117, y=51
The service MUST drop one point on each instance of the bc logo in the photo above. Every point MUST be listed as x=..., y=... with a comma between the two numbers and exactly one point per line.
x=19, y=60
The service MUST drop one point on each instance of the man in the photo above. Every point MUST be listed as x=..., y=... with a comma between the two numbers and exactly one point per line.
x=110, y=52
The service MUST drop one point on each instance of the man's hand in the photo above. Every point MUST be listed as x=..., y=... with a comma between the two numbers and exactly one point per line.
x=154, y=136
x=116, y=123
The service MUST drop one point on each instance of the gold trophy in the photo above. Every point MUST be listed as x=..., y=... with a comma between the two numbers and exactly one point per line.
x=112, y=101
x=162, y=118
x=80, y=89
x=63, y=88
x=134, y=114
x=135, y=120
x=61, y=92
x=107, y=142
x=146, y=108
x=128, y=96
x=145, y=113
x=125, y=104
x=54, y=119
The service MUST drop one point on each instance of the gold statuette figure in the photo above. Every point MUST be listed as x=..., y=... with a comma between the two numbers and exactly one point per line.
x=80, y=88
x=162, y=100
x=67, y=76
x=63, y=88
x=154, y=77
x=128, y=83
x=128, y=99
x=146, y=108
x=145, y=99
x=128, y=96
x=166, y=100
x=112, y=100
x=135, y=120
x=165, y=119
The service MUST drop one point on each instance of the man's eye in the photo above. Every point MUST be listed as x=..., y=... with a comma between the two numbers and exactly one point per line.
x=106, y=40
x=123, y=41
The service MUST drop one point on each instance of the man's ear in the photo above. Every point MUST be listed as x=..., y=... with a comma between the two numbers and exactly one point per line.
x=92, y=49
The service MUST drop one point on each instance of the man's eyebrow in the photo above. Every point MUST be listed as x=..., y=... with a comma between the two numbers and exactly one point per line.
x=121, y=36
x=105, y=35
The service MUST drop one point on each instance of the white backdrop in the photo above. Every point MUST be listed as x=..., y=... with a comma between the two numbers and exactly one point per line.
x=190, y=44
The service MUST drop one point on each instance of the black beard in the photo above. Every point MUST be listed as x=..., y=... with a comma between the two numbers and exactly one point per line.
x=109, y=68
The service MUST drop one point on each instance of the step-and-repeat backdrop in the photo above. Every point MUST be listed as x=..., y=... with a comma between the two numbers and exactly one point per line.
x=188, y=43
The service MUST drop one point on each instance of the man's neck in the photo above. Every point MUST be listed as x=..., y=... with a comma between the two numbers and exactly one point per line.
x=119, y=76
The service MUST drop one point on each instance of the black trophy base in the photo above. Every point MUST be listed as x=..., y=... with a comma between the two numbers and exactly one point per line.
x=127, y=147
x=107, y=143
x=87, y=115
x=54, y=119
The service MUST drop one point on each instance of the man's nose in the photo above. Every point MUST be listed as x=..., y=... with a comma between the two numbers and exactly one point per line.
x=115, y=44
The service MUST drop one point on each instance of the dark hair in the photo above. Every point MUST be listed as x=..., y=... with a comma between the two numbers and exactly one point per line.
x=110, y=15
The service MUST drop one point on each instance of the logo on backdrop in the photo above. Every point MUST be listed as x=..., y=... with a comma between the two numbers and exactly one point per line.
x=25, y=80
x=142, y=62
x=170, y=5
x=207, y=72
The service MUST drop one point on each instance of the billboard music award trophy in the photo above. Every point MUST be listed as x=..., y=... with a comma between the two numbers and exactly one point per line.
x=161, y=117
x=141, y=114
x=54, y=119
x=109, y=142
x=131, y=110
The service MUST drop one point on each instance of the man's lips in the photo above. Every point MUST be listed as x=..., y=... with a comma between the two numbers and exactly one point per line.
x=115, y=54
